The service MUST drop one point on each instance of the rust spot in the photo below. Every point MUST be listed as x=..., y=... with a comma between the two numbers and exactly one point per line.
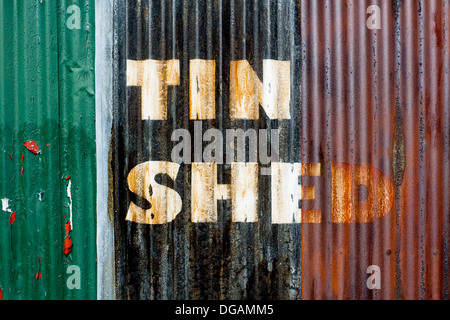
x=12, y=218
x=32, y=146
x=1, y=294
x=399, y=156
x=67, y=246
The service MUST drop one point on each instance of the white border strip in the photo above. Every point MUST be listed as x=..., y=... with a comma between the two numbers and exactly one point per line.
x=103, y=114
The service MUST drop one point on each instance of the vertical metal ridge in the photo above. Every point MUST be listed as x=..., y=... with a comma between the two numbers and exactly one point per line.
x=104, y=99
x=446, y=153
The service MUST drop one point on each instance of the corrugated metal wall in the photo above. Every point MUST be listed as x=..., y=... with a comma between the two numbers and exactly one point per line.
x=369, y=107
x=368, y=117
x=47, y=96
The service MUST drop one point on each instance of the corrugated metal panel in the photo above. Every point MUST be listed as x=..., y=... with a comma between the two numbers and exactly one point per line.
x=47, y=96
x=368, y=118
x=378, y=97
x=181, y=259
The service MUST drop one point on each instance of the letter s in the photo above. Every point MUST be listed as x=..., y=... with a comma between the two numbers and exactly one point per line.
x=166, y=203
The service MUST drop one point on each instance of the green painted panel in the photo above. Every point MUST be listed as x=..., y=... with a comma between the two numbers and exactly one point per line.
x=47, y=95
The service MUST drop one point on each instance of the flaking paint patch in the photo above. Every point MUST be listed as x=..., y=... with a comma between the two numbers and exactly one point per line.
x=39, y=274
x=68, y=227
x=32, y=146
x=5, y=205
x=12, y=218
x=67, y=245
x=69, y=195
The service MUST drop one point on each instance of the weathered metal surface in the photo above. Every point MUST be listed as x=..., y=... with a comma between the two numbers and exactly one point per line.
x=378, y=97
x=188, y=258
x=47, y=143
x=362, y=178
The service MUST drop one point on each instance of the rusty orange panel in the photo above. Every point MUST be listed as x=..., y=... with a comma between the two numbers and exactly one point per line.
x=378, y=97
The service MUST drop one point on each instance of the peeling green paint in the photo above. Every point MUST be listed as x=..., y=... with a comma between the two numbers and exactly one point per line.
x=47, y=95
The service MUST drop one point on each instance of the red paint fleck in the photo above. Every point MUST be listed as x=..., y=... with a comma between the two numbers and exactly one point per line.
x=67, y=246
x=12, y=218
x=21, y=185
x=10, y=155
x=21, y=159
x=39, y=275
x=39, y=259
x=67, y=178
x=68, y=227
x=32, y=146
x=48, y=145
x=1, y=294
x=21, y=170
